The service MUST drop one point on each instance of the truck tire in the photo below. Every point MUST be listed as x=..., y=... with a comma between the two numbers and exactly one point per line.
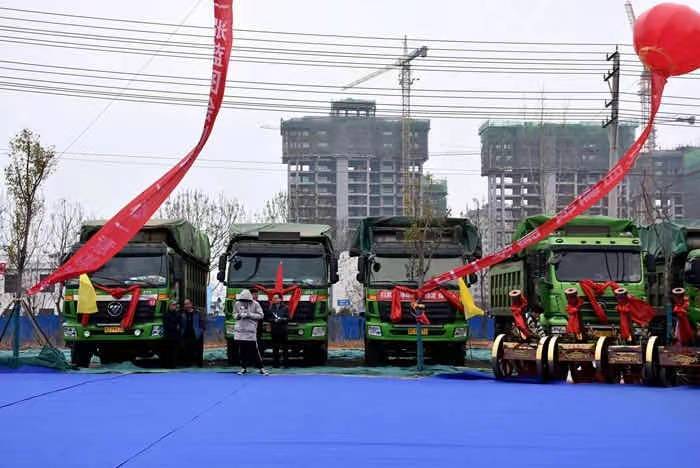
x=232, y=353
x=168, y=355
x=81, y=354
x=374, y=354
x=457, y=352
x=315, y=354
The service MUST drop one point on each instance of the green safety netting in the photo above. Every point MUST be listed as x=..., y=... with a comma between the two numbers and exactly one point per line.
x=615, y=226
x=363, y=236
x=184, y=237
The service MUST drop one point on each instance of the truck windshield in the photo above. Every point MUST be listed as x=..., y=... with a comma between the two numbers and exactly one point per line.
x=599, y=265
x=148, y=270
x=398, y=270
x=304, y=270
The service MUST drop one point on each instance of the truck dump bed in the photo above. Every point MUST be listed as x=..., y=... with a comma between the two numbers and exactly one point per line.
x=177, y=233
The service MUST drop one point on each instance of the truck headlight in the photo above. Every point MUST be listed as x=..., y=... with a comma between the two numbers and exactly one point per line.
x=86, y=333
x=157, y=330
x=318, y=331
x=230, y=328
x=374, y=330
x=137, y=332
x=460, y=332
x=557, y=330
x=70, y=332
x=300, y=332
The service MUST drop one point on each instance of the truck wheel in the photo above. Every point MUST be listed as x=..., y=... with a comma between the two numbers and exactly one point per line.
x=605, y=371
x=373, y=353
x=457, y=353
x=168, y=354
x=81, y=354
x=650, y=368
x=501, y=368
x=232, y=353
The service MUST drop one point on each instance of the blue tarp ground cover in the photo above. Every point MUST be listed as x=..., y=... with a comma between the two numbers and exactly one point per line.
x=220, y=419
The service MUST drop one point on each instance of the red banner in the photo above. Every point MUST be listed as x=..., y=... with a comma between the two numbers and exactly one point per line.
x=578, y=206
x=117, y=232
x=665, y=39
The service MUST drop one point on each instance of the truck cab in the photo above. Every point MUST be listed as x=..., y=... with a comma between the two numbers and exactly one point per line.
x=167, y=260
x=387, y=259
x=304, y=255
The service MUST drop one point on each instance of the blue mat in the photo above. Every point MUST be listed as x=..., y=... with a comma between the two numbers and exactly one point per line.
x=220, y=419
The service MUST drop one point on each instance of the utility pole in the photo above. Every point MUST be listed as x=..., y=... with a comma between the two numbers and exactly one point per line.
x=613, y=125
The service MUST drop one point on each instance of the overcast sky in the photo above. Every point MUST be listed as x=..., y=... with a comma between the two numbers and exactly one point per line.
x=245, y=135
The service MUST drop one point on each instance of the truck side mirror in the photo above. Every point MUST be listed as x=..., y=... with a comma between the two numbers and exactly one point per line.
x=376, y=266
x=472, y=278
x=221, y=274
x=334, y=270
x=650, y=263
x=361, y=268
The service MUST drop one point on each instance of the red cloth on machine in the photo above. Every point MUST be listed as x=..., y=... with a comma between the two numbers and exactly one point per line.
x=518, y=311
x=685, y=330
x=573, y=310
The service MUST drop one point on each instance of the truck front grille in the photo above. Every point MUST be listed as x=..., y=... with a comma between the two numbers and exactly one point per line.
x=439, y=313
x=144, y=312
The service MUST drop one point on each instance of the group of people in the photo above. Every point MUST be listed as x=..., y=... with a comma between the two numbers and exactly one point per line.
x=184, y=329
x=249, y=316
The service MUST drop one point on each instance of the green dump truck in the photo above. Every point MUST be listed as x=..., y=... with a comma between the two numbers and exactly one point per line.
x=386, y=258
x=305, y=254
x=167, y=260
x=539, y=283
x=674, y=257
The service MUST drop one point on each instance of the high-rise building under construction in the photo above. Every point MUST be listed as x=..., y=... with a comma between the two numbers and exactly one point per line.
x=535, y=168
x=348, y=165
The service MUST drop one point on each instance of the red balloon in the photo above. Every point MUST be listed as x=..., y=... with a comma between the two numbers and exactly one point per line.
x=667, y=39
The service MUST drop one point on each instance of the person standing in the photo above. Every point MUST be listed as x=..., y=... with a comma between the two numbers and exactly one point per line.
x=247, y=312
x=193, y=324
x=171, y=335
x=278, y=316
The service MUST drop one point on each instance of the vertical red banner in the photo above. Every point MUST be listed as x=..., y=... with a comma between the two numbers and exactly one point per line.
x=117, y=232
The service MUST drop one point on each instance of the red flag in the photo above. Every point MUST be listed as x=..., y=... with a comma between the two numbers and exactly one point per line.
x=117, y=232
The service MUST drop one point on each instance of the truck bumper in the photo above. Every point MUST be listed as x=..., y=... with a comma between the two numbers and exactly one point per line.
x=143, y=332
x=389, y=332
x=316, y=331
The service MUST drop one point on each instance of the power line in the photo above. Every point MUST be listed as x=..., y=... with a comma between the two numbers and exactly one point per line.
x=290, y=33
x=278, y=89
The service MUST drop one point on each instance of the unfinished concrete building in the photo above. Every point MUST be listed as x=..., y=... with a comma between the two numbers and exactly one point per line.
x=540, y=168
x=348, y=165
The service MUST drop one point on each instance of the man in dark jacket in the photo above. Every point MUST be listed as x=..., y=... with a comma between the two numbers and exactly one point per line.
x=171, y=335
x=193, y=323
x=278, y=314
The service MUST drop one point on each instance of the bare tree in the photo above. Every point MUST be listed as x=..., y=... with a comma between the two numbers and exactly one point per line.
x=30, y=166
x=213, y=215
x=64, y=222
x=276, y=209
x=424, y=234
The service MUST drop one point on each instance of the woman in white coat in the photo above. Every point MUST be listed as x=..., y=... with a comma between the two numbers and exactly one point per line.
x=247, y=313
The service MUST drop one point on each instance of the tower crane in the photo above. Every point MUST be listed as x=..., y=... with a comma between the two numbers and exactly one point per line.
x=403, y=63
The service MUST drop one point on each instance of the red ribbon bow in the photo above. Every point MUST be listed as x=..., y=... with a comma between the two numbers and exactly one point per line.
x=417, y=295
x=628, y=307
x=573, y=310
x=281, y=290
x=117, y=293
